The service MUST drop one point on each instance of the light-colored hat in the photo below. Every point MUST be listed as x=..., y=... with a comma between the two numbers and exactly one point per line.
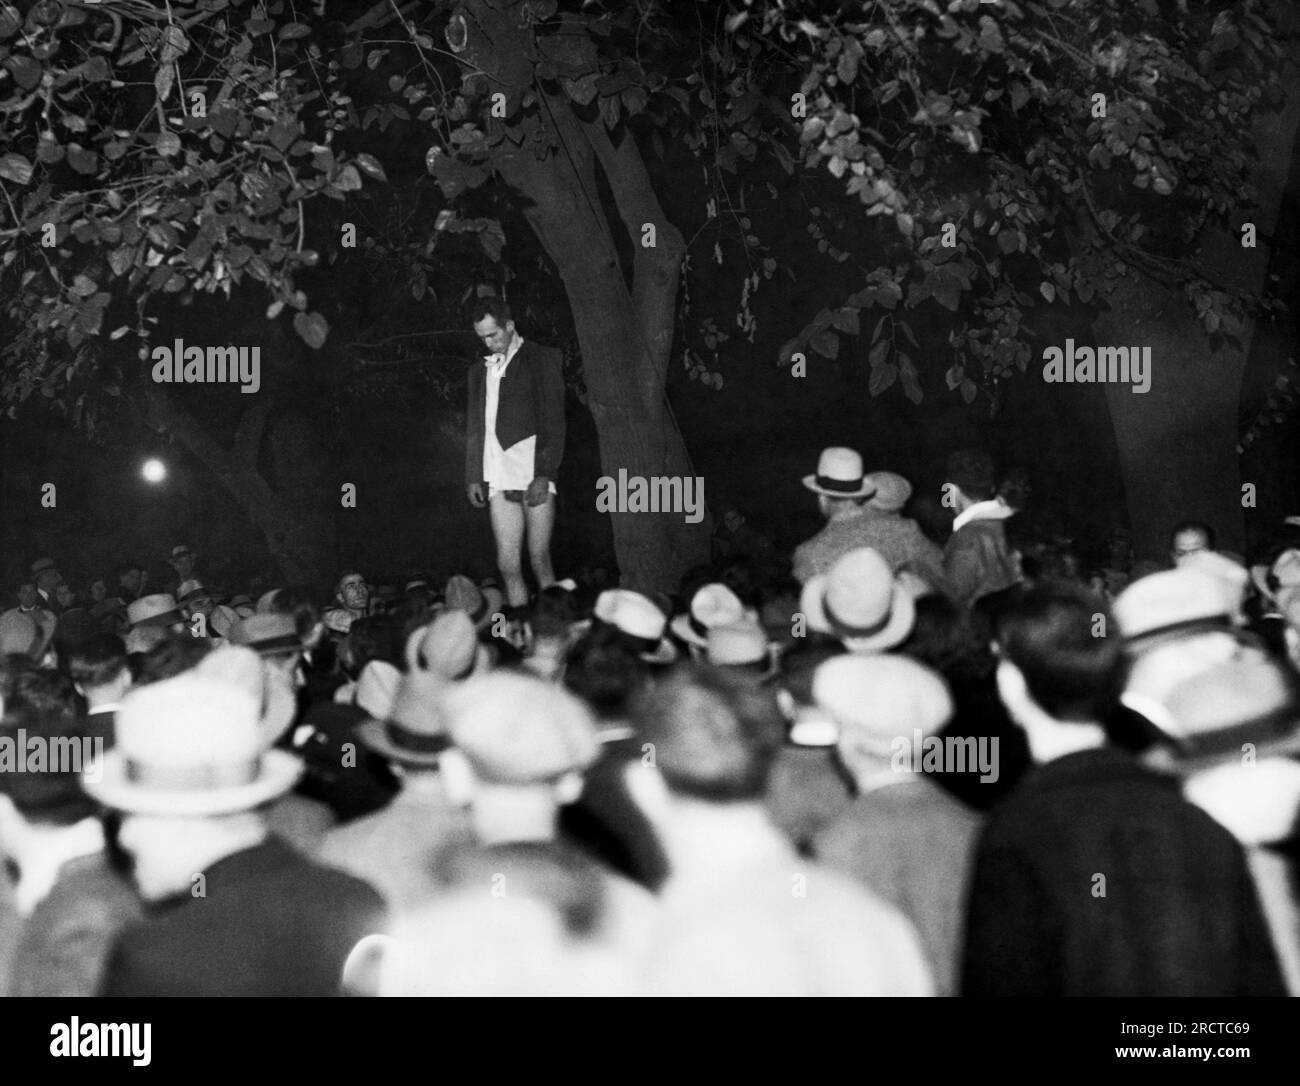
x=157, y=610
x=190, y=590
x=839, y=475
x=240, y=667
x=181, y=551
x=741, y=644
x=1169, y=604
x=480, y=604
x=892, y=491
x=1248, y=702
x=265, y=602
x=1231, y=576
x=713, y=605
x=517, y=729
x=43, y=565
x=223, y=619
x=859, y=601
x=447, y=646
x=414, y=732
x=190, y=746
x=1285, y=571
x=267, y=633
x=377, y=688
x=877, y=699
x=639, y=620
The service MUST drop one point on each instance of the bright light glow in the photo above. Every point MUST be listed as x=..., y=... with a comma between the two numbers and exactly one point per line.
x=154, y=471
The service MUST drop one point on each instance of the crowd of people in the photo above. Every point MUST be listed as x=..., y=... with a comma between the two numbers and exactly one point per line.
x=986, y=764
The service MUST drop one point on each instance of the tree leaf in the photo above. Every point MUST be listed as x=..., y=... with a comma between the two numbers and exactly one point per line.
x=312, y=327
x=881, y=378
x=16, y=168
x=348, y=179
x=290, y=31
x=26, y=71
x=1047, y=290
x=371, y=166
x=846, y=320
x=825, y=343
x=81, y=160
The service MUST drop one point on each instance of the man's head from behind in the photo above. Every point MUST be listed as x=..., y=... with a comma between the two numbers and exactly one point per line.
x=1058, y=666
x=493, y=324
x=1189, y=537
x=99, y=669
x=712, y=736
x=971, y=472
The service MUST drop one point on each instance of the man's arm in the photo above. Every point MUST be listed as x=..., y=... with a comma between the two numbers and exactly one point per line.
x=548, y=390
x=474, y=426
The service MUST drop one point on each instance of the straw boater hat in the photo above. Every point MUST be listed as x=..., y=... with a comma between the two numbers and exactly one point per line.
x=639, y=620
x=839, y=475
x=190, y=746
x=859, y=601
x=267, y=634
x=158, y=609
x=713, y=605
x=742, y=646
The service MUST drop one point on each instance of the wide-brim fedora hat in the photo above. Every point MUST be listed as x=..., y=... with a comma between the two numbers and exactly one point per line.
x=741, y=648
x=415, y=731
x=1251, y=703
x=274, y=632
x=860, y=602
x=190, y=746
x=712, y=605
x=158, y=609
x=448, y=646
x=1170, y=604
x=641, y=622
x=839, y=474
x=44, y=565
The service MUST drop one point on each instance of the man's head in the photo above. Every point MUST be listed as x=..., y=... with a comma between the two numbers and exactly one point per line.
x=27, y=596
x=713, y=736
x=130, y=577
x=1189, y=537
x=1055, y=668
x=353, y=593
x=46, y=574
x=99, y=669
x=182, y=561
x=970, y=472
x=493, y=324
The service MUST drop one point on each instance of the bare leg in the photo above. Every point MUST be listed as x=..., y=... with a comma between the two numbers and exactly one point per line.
x=508, y=529
x=541, y=522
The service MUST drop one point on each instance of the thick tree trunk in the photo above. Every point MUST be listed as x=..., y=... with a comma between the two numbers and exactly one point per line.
x=1178, y=442
x=625, y=335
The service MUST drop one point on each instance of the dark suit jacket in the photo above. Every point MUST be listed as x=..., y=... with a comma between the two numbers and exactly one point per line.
x=531, y=402
x=1178, y=914
x=272, y=923
x=978, y=561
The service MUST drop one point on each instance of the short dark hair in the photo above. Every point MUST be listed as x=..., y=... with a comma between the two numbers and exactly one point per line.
x=1048, y=633
x=714, y=735
x=495, y=308
x=52, y=795
x=972, y=470
x=98, y=660
x=175, y=654
x=1194, y=526
x=603, y=670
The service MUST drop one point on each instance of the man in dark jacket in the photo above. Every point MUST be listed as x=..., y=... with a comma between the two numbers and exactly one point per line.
x=976, y=559
x=1096, y=877
x=235, y=910
x=515, y=441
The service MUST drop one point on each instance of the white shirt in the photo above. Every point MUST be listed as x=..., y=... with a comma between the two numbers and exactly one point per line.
x=512, y=468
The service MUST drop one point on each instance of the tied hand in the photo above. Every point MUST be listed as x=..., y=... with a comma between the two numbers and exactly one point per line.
x=538, y=491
